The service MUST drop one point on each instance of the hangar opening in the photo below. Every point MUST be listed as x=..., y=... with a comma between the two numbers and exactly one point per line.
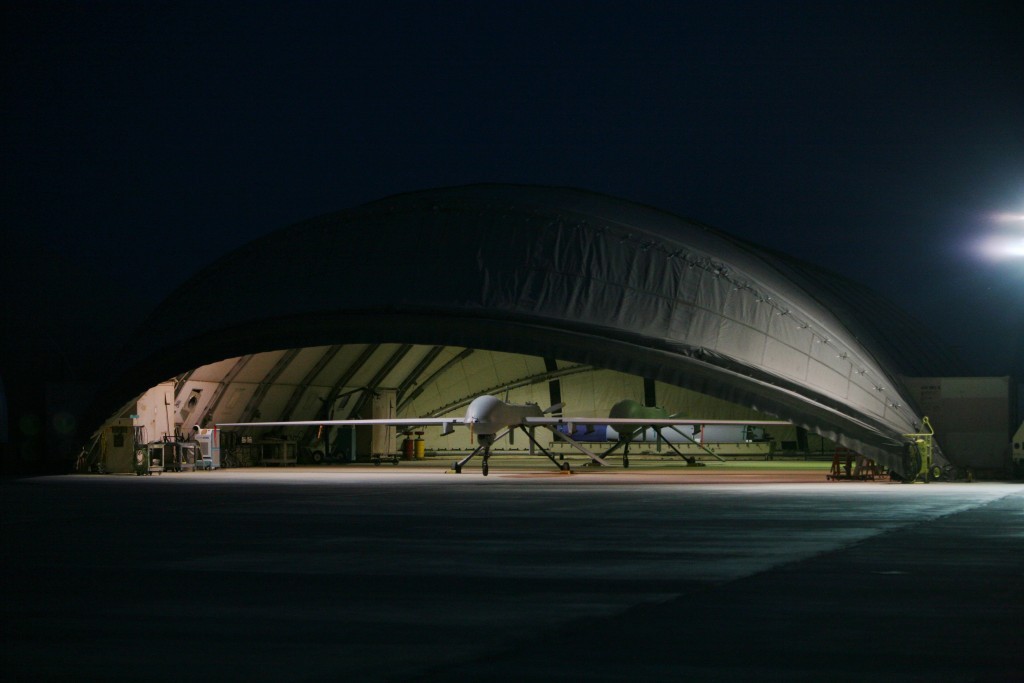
x=403, y=380
x=526, y=292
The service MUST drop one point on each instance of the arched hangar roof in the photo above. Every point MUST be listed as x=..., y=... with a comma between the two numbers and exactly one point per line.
x=557, y=273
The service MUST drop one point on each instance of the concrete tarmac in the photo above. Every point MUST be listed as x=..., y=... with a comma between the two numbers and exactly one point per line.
x=405, y=574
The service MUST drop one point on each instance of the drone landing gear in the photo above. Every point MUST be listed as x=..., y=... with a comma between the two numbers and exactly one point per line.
x=561, y=465
x=622, y=443
x=690, y=460
x=485, y=449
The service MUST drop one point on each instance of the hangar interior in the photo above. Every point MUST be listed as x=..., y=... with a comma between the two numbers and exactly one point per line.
x=408, y=380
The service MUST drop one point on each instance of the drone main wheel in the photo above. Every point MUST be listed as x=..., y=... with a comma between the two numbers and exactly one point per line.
x=457, y=467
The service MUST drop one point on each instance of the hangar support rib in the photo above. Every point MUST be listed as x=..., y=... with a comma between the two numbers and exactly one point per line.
x=252, y=406
x=379, y=377
x=508, y=386
x=222, y=386
x=413, y=378
x=335, y=391
x=310, y=377
x=463, y=355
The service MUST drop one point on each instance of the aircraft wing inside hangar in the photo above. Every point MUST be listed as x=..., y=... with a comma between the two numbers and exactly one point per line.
x=562, y=277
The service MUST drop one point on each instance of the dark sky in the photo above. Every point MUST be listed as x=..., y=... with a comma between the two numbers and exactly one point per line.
x=143, y=140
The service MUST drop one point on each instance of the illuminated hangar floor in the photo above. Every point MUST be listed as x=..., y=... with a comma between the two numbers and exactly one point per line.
x=411, y=574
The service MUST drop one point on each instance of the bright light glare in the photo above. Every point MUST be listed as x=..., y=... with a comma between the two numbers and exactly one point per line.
x=1007, y=241
x=1002, y=247
x=1009, y=218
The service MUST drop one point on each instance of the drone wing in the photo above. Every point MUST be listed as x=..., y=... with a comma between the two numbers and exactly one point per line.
x=646, y=422
x=447, y=424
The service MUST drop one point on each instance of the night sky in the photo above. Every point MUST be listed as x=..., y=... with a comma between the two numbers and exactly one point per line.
x=883, y=140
